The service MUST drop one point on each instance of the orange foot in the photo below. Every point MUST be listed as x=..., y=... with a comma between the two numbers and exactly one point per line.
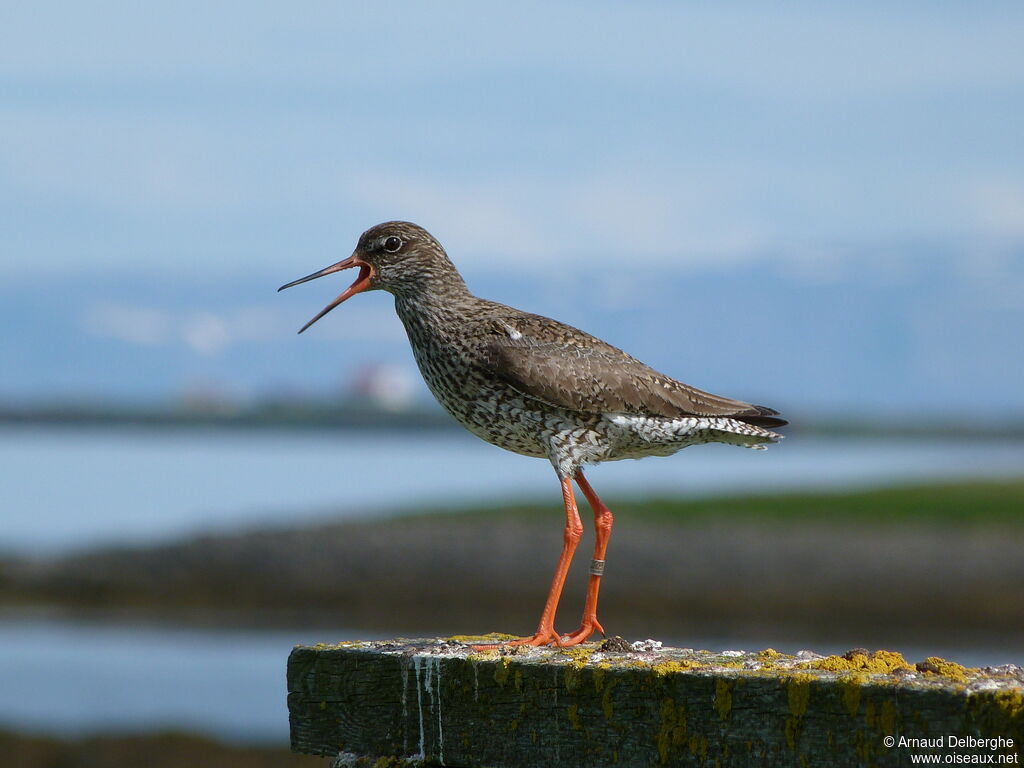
x=540, y=637
x=589, y=626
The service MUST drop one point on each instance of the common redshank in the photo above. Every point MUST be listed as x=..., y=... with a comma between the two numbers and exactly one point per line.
x=538, y=387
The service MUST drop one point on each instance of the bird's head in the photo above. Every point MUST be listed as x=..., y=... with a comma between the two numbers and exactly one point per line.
x=395, y=256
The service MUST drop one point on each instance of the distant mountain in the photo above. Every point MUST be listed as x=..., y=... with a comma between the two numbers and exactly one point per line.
x=921, y=329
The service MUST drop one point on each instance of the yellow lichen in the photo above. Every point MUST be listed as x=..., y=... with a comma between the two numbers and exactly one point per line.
x=699, y=746
x=887, y=719
x=723, y=698
x=598, y=674
x=513, y=724
x=769, y=658
x=493, y=637
x=578, y=660
x=798, y=690
x=888, y=659
x=997, y=711
x=851, y=686
x=863, y=746
x=573, y=714
x=579, y=656
x=1011, y=702
x=672, y=732
x=339, y=644
x=878, y=663
x=606, y=700
x=673, y=667
x=792, y=731
x=502, y=670
x=949, y=669
x=869, y=714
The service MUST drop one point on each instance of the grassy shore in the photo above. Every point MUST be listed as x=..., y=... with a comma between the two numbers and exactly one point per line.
x=965, y=504
x=880, y=566
x=875, y=568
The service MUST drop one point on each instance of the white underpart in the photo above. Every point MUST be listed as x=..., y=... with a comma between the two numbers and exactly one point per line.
x=632, y=429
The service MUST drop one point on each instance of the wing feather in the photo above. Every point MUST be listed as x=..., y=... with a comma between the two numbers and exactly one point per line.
x=565, y=367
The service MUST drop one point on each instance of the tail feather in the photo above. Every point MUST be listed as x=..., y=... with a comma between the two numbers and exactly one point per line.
x=761, y=416
x=736, y=432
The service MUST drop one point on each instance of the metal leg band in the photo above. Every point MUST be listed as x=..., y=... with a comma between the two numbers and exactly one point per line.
x=597, y=567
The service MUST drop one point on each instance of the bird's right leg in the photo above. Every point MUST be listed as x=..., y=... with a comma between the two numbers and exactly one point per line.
x=546, y=633
x=603, y=529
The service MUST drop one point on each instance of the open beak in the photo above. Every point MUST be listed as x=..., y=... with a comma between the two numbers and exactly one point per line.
x=361, y=283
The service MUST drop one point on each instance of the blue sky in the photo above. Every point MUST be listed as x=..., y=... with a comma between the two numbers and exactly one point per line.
x=833, y=192
x=194, y=138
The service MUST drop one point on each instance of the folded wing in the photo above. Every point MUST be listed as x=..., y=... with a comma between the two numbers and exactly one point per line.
x=565, y=367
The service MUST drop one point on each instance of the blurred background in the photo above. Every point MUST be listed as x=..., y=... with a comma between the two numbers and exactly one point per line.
x=834, y=196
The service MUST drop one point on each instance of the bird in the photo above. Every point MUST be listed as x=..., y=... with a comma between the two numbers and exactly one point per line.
x=540, y=388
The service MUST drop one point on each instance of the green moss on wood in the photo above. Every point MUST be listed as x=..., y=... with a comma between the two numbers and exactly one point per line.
x=672, y=730
x=723, y=697
x=660, y=708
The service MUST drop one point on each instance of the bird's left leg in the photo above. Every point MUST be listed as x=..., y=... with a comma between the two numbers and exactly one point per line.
x=546, y=634
x=603, y=530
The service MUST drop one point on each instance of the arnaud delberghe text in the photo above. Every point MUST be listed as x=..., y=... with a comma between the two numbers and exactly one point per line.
x=952, y=741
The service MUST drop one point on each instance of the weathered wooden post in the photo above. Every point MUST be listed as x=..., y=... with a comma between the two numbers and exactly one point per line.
x=440, y=702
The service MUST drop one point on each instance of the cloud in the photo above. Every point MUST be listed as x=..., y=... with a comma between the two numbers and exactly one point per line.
x=209, y=333
x=142, y=326
x=203, y=332
x=620, y=217
x=751, y=46
x=998, y=207
x=231, y=136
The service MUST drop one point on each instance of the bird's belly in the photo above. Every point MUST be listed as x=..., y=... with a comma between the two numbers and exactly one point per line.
x=508, y=423
x=491, y=412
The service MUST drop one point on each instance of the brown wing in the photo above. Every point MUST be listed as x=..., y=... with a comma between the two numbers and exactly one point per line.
x=565, y=367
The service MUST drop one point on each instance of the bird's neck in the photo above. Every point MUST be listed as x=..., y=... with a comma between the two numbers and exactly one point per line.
x=434, y=307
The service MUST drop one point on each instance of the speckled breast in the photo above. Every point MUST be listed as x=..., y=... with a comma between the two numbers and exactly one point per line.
x=489, y=409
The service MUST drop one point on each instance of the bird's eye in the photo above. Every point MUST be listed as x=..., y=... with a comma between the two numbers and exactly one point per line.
x=392, y=244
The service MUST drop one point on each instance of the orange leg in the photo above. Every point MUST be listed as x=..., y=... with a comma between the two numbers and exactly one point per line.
x=546, y=633
x=603, y=530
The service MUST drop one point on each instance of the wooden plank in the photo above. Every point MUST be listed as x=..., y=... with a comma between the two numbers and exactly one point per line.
x=438, y=701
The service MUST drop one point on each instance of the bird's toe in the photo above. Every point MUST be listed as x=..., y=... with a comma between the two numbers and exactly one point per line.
x=589, y=626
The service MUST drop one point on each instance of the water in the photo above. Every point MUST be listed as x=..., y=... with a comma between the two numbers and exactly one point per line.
x=73, y=678
x=75, y=488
